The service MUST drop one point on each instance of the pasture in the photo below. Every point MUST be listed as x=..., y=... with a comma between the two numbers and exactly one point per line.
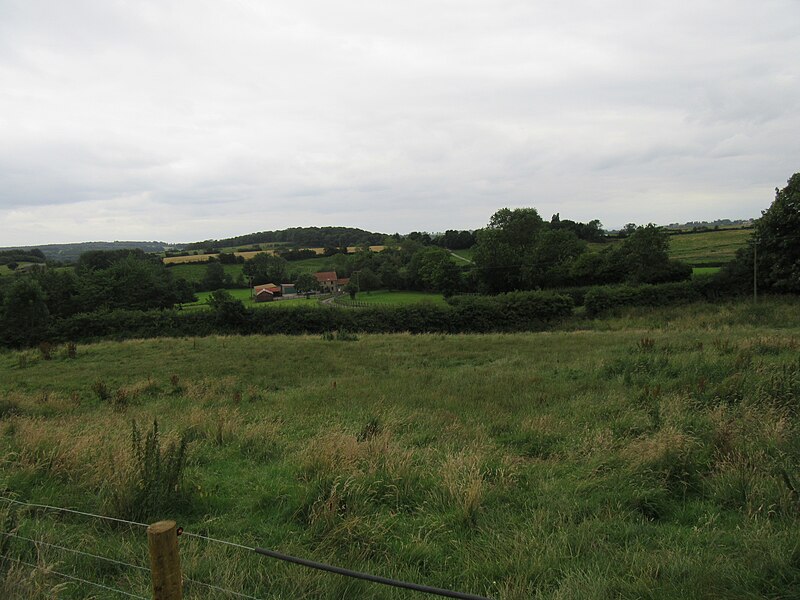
x=654, y=454
x=708, y=247
x=389, y=297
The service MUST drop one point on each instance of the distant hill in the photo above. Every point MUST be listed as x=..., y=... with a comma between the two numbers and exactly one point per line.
x=304, y=237
x=719, y=223
x=70, y=252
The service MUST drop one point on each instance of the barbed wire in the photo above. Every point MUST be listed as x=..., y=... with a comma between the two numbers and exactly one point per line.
x=220, y=589
x=73, y=511
x=48, y=571
x=73, y=551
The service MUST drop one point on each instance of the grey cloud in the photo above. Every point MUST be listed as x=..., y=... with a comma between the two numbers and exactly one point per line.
x=227, y=118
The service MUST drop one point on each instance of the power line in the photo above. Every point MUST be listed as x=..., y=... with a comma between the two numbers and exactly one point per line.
x=47, y=571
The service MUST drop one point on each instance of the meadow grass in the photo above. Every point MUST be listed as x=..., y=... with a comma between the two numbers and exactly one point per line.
x=195, y=273
x=465, y=254
x=244, y=295
x=709, y=247
x=705, y=271
x=390, y=297
x=717, y=246
x=651, y=454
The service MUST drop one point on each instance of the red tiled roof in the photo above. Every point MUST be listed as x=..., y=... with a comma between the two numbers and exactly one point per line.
x=325, y=276
x=343, y=281
x=267, y=286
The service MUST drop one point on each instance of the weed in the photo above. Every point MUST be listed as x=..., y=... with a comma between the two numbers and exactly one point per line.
x=370, y=429
x=646, y=345
x=122, y=398
x=46, y=350
x=154, y=485
x=102, y=391
x=8, y=408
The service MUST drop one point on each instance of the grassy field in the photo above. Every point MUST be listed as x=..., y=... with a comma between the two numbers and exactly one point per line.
x=710, y=247
x=194, y=273
x=705, y=271
x=699, y=248
x=394, y=298
x=466, y=255
x=245, y=297
x=651, y=456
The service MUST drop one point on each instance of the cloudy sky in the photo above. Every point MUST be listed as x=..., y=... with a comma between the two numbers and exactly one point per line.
x=184, y=120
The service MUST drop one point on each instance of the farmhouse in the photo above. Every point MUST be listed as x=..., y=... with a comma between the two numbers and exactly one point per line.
x=330, y=282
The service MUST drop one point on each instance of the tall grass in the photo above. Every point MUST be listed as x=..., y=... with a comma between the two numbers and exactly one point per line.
x=654, y=457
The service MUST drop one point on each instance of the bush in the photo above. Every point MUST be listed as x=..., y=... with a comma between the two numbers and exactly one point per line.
x=603, y=299
x=154, y=485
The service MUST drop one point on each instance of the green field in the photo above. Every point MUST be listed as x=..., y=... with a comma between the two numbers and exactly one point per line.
x=194, y=273
x=705, y=271
x=466, y=255
x=700, y=248
x=709, y=247
x=244, y=295
x=394, y=298
x=654, y=456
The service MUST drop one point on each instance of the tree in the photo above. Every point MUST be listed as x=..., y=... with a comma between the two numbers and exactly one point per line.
x=306, y=282
x=548, y=262
x=643, y=257
x=215, y=277
x=433, y=269
x=266, y=268
x=25, y=316
x=502, y=245
x=777, y=237
x=227, y=309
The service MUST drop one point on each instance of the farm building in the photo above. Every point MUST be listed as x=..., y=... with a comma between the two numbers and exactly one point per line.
x=265, y=295
x=287, y=289
x=330, y=282
x=271, y=287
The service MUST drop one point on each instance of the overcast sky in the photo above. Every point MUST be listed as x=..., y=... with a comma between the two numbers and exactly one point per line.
x=181, y=121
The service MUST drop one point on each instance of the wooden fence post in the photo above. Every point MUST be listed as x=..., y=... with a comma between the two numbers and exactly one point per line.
x=165, y=562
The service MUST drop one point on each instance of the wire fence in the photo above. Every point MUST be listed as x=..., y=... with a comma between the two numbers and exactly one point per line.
x=263, y=552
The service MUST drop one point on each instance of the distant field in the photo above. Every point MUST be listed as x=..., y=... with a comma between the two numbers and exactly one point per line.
x=464, y=254
x=195, y=258
x=395, y=298
x=245, y=297
x=705, y=271
x=194, y=273
x=710, y=247
x=699, y=248
x=4, y=270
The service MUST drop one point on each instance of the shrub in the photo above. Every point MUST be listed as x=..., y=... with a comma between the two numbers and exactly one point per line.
x=102, y=391
x=154, y=484
x=46, y=350
x=603, y=299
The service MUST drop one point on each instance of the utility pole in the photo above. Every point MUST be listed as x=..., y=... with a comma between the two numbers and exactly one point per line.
x=755, y=271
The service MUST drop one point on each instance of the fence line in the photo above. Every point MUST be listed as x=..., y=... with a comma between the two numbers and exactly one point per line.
x=73, y=551
x=261, y=551
x=220, y=589
x=368, y=577
x=48, y=571
x=70, y=510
